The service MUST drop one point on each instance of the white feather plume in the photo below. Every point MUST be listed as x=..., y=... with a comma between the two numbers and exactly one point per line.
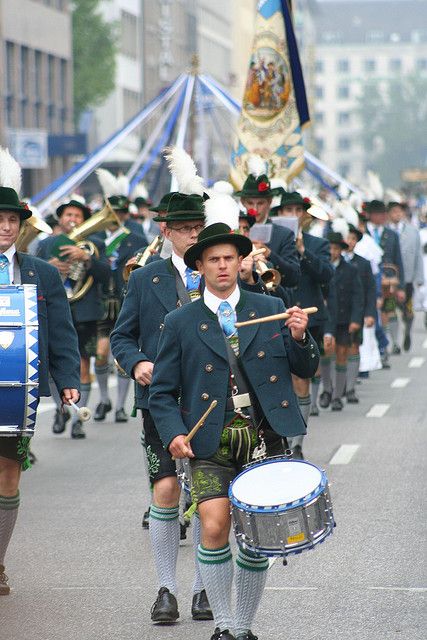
x=222, y=187
x=393, y=196
x=10, y=171
x=257, y=166
x=108, y=183
x=339, y=225
x=182, y=167
x=316, y=229
x=140, y=191
x=123, y=185
x=375, y=186
x=356, y=201
x=343, y=209
x=77, y=197
x=222, y=208
x=343, y=191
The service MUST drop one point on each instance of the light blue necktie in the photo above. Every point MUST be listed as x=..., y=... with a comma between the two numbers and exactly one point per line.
x=226, y=319
x=4, y=269
x=192, y=279
x=377, y=236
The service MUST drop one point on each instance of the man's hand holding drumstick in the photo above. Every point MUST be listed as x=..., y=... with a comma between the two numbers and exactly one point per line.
x=179, y=446
x=297, y=323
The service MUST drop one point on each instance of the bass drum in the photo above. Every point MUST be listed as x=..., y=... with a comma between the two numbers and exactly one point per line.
x=19, y=375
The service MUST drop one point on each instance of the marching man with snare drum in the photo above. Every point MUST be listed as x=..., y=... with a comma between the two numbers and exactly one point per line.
x=27, y=284
x=201, y=358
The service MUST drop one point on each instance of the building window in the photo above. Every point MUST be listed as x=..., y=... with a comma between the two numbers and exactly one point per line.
x=320, y=66
x=319, y=92
x=10, y=59
x=63, y=84
x=131, y=104
x=370, y=66
x=375, y=36
x=319, y=117
x=395, y=65
x=344, y=143
x=50, y=78
x=129, y=34
x=343, y=92
x=343, y=117
x=343, y=66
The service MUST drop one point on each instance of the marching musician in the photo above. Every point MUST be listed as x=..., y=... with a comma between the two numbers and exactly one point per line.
x=85, y=311
x=203, y=357
x=144, y=217
x=58, y=354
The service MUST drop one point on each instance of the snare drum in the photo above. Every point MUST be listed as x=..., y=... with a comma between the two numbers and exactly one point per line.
x=19, y=384
x=281, y=506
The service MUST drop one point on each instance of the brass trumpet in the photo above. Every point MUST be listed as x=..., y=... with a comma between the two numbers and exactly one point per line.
x=142, y=257
x=270, y=277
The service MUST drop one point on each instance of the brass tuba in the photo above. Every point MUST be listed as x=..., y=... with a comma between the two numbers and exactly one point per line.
x=100, y=221
x=142, y=256
x=29, y=231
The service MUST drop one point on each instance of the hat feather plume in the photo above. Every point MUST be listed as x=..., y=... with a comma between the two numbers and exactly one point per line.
x=181, y=165
x=108, y=183
x=375, y=186
x=257, y=166
x=10, y=171
x=339, y=225
x=140, y=191
x=222, y=208
x=123, y=185
x=222, y=187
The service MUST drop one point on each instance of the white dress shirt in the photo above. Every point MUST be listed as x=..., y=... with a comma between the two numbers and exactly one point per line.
x=179, y=264
x=213, y=302
x=10, y=255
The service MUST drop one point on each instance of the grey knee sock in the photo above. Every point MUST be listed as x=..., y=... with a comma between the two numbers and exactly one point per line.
x=352, y=371
x=393, y=331
x=341, y=375
x=198, y=582
x=216, y=567
x=251, y=574
x=84, y=397
x=315, y=384
x=164, y=535
x=304, y=403
x=102, y=372
x=8, y=515
x=55, y=393
x=325, y=372
x=123, y=383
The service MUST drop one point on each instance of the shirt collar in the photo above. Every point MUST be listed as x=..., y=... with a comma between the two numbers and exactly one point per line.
x=372, y=228
x=9, y=253
x=179, y=264
x=213, y=302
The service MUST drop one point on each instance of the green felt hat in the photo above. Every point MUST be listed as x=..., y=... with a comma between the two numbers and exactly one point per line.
x=164, y=202
x=181, y=206
x=217, y=233
x=257, y=188
x=9, y=201
x=74, y=203
x=293, y=197
x=119, y=203
x=142, y=202
x=335, y=237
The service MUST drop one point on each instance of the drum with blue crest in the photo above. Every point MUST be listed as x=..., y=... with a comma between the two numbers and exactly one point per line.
x=19, y=375
x=281, y=506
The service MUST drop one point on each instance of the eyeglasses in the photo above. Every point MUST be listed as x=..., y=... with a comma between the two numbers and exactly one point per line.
x=187, y=229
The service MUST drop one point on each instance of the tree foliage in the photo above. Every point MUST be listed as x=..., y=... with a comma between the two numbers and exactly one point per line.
x=394, y=115
x=94, y=52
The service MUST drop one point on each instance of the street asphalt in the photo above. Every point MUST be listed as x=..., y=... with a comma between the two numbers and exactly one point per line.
x=81, y=567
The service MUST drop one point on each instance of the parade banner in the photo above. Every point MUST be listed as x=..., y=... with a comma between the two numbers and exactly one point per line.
x=274, y=105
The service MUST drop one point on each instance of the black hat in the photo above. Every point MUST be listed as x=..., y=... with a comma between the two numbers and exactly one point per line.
x=142, y=202
x=181, y=206
x=249, y=215
x=9, y=201
x=119, y=203
x=218, y=233
x=374, y=206
x=335, y=237
x=74, y=203
x=257, y=188
x=355, y=230
x=293, y=197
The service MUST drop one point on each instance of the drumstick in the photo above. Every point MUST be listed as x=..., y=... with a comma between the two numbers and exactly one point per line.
x=84, y=413
x=199, y=423
x=276, y=316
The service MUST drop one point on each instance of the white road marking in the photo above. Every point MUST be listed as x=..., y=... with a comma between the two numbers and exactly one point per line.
x=415, y=363
x=291, y=588
x=400, y=383
x=344, y=454
x=378, y=410
x=425, y=344
x=409, y=589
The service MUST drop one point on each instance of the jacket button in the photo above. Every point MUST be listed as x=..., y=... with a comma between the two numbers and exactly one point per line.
x=209, y=367
x=298, y=303
x=261, y=354
x=205, y=396
x=252, y=314
x=204, y=326
x=273, y=378
x=161, y=326
x=156, y=280
x=284, y=404
x=31, y=273
x=313, y=355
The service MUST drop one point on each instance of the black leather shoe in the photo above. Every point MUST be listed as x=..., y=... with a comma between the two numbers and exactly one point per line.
x=32, y=457
x=165, y=608
x=297, y=452
x=247, y=636
x=61, y=419
x=200, y=608
x=77, y=430
x=101, y=411
x=352, y=397
x=396, y=350
x=222, y=635
x=4, y=586
x=336, y=404
x=314, y=410
x=407, y=342
x=146, y=519
x=121, y=415
x=325, y=399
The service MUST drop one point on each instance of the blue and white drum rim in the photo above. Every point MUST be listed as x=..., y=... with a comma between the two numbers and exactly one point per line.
x=288, y=550
x=279, y=508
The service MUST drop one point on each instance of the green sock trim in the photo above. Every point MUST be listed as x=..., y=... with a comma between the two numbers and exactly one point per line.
x=325, y=360
x=251, y=562
x=341, y=367
x=316, y=380
x=7, y=504
x=214, y=556
x=302, y=400
x=164, y=513
x=353, y=358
